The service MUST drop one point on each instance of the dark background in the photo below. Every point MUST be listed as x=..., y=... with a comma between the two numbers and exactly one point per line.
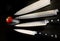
x=9, y=7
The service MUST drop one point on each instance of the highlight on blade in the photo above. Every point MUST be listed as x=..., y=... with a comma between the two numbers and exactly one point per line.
x=32, y=7
x=39, y=14
x=29, y=32
x=16, y=21
x=32, y=24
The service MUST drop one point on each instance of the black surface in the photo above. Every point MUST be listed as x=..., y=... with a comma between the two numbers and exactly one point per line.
x=9, y=7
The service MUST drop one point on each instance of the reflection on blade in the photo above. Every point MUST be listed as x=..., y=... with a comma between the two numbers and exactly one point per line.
x=37, y=5
x=16, y=21
x=31, y=24
x=29, y=32
x=39, y=14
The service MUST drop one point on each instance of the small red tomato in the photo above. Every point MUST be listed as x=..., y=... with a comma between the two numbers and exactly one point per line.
x=9, y=19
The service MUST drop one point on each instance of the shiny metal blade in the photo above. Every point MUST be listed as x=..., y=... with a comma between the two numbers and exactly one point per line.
x=29, y=32
x=32, y=7
x=39, y=14
x=31, y=24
